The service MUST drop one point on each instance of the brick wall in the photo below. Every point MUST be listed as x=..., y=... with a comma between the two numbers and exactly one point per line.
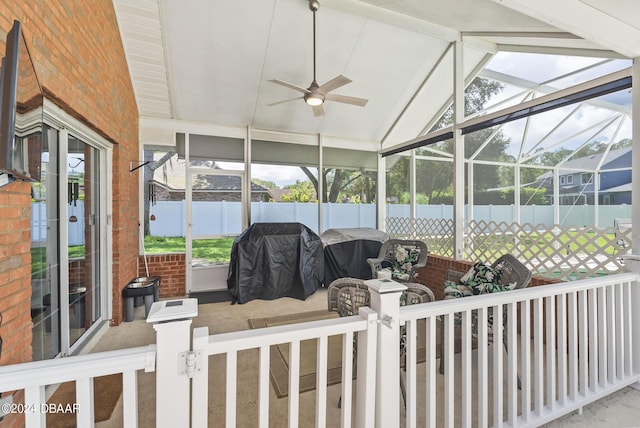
x=76, y=271
x=15, y=279
x=80, y=63
x=171, y=268
x=433, y=274
x=15, y=273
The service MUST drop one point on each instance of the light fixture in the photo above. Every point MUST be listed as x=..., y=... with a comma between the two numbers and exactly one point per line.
x=73, y=219
x=314, y=99
x=152, y=217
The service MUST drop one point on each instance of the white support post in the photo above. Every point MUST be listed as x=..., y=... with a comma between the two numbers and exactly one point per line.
x=634, y=266
x=381, y=196
x=385, y=300
x=366, y=381
x=171, y=320
x=458, y=152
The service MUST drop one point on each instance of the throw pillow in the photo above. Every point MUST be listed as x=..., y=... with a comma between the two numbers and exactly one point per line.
x=453, y=290
x=482, y=278
x=404, y=259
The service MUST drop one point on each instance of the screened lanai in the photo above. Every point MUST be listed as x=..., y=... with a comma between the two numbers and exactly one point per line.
x=541, y=112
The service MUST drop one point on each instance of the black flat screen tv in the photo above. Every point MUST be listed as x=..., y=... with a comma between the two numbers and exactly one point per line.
x=20, y=111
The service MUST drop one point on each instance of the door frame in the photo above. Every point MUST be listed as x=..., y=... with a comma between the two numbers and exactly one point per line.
x=190, y=172
x=57, y=119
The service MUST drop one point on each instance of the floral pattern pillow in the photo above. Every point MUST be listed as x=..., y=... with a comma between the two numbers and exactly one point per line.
x=480, y=279
x=403, y=261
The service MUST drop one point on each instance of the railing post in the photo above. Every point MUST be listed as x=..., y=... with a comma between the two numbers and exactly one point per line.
x=385, y=300
x=632, y=264
x=171, y=320
x=367, y=366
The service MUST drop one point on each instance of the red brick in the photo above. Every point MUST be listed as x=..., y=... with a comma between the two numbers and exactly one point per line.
x=81, y=66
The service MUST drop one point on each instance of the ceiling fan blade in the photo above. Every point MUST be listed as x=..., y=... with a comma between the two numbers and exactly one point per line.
x=290, y=85
x=347, y=100
x=334, y=83
x=318, y=110
x=285, y=101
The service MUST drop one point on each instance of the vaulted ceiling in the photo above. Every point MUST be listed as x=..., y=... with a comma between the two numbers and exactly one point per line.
x=212, y=61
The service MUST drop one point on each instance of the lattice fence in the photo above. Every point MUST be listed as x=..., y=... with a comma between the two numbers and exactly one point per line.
x=556, y=252
x=436, y=233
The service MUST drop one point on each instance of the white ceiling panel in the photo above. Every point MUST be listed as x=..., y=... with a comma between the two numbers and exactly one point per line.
x=210, y=62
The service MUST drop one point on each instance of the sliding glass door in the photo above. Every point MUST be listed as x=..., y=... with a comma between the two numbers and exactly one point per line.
x=83, y=191
x=45, y=254
x=68, y=275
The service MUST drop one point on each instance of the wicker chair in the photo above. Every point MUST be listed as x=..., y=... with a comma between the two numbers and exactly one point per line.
x=387, y=258
x=513, y=271
x=346, y=295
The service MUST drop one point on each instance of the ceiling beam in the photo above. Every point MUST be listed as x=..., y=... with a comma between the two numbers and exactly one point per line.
x=369, y=11
x=553, y=50
x=584, y=20
x=522, y=34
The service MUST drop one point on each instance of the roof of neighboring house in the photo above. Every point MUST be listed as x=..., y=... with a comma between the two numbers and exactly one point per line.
x=589, y=163
x=618, y=189
x=172, y=176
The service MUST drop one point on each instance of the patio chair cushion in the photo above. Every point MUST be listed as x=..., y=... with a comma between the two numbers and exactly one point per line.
x=406, y=256
x=481, y=278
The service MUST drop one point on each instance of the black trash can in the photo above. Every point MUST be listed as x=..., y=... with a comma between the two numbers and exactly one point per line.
x=146, y=288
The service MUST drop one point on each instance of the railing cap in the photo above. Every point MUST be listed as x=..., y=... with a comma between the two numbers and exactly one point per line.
x=173, y=310
x=385, y=286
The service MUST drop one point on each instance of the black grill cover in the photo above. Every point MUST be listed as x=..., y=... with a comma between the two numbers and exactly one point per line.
x=273, y=260
x=346, y=252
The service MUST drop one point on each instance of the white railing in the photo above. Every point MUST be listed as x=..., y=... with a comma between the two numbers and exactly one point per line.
x=589, y=322
x=33, y=377
x=230, y=344
x=566, y=345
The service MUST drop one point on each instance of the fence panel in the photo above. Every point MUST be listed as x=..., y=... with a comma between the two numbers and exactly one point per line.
x=169, y=218
x=223, y=218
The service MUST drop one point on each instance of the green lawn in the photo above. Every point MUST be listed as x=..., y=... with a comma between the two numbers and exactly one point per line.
x=216, y=250
x=39, y=259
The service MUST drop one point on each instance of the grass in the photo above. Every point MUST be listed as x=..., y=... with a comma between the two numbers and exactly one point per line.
x=212, y=250
x=217, y=250
x=39, y=259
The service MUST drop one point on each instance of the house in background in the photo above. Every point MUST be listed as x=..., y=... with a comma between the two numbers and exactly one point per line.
x=168, y=184
x=578, y=183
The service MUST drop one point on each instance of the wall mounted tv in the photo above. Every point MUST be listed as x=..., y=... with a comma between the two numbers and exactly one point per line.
x=20, y=111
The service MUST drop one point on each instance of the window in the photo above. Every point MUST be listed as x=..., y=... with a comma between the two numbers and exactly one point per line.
x=569, y=179
x=586, y=178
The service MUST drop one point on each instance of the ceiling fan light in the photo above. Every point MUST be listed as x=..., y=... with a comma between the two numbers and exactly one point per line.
x=313, y=100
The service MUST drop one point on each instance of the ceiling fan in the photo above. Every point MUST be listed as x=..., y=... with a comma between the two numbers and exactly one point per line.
x=315, y=95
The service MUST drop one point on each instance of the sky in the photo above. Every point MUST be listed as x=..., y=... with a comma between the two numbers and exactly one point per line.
x=537, y=68
x=282, y=175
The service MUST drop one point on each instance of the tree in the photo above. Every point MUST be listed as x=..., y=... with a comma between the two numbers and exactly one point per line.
x=341, y=184
x=435, y=177
x=301, y=191
x=625, y=142
x=267, y=184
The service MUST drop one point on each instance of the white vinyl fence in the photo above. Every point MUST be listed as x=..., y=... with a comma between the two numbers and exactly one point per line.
x=223, y=218
x=219, y=218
